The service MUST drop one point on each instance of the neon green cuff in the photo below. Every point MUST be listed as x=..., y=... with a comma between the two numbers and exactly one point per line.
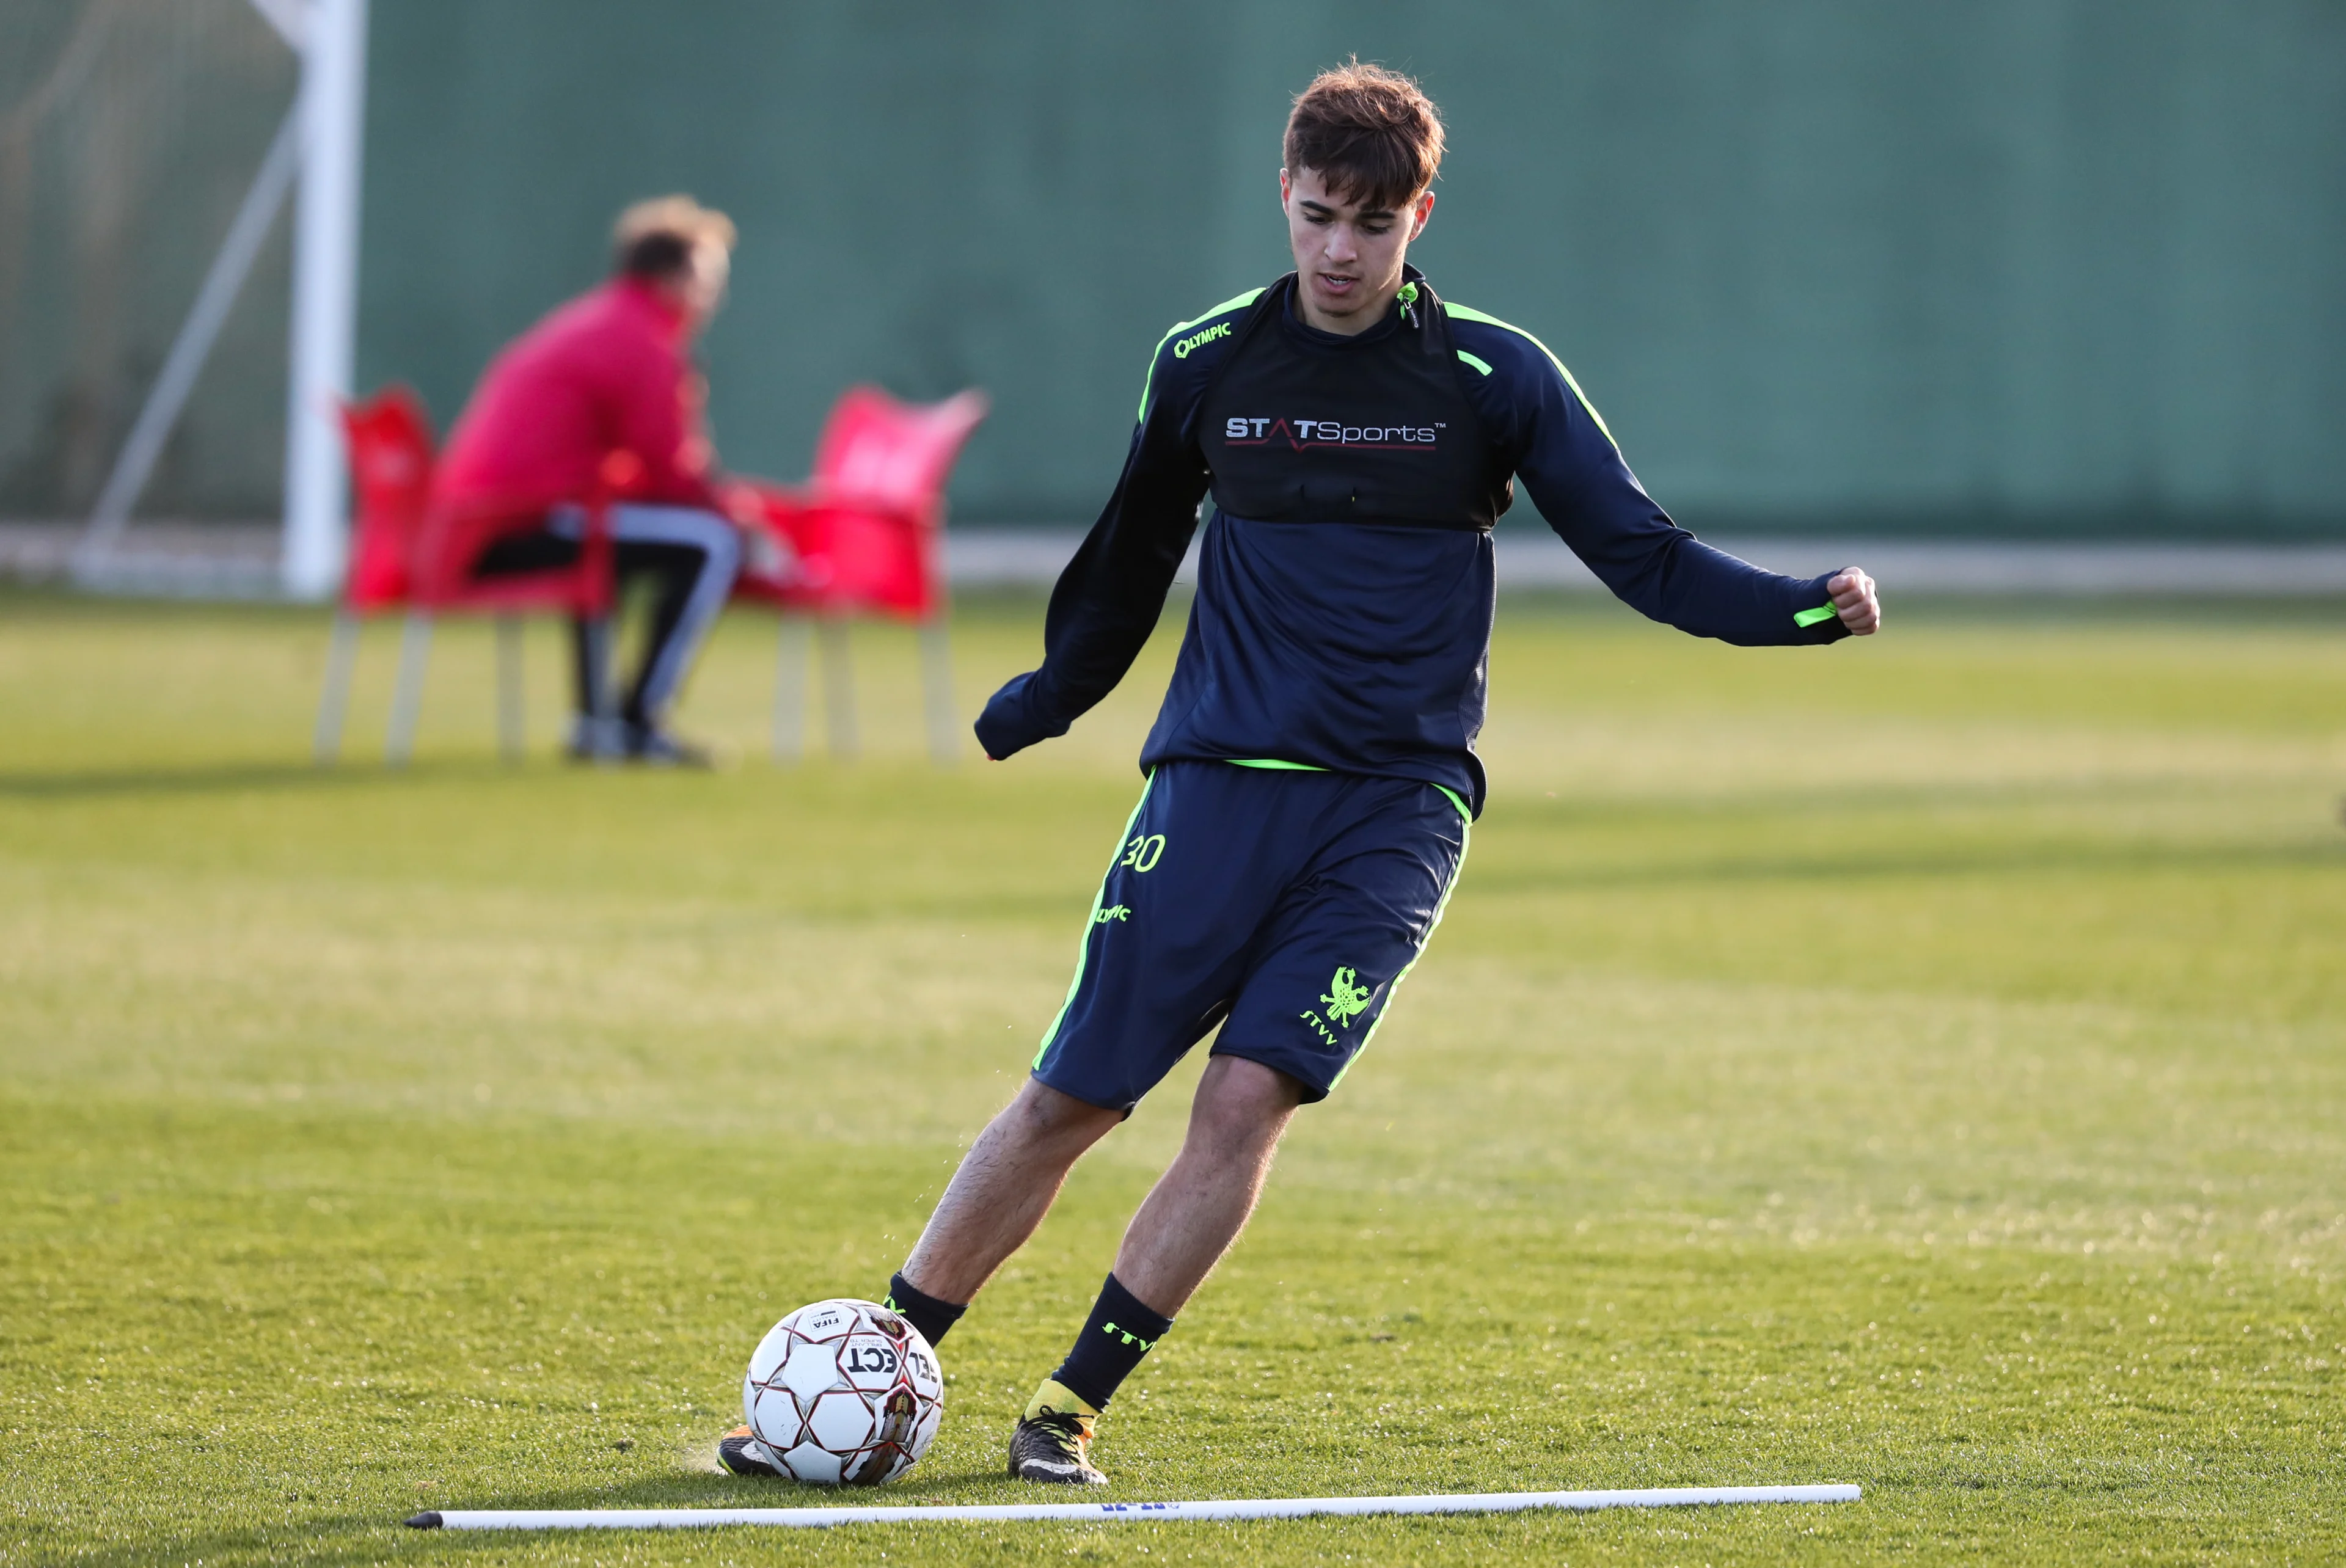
x=1810, y=617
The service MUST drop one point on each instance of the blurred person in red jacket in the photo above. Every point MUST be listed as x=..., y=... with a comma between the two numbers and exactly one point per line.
x=606, y=386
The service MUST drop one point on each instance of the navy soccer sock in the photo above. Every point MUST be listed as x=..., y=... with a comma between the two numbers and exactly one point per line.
x=932, y=1317
x=1119, y=1331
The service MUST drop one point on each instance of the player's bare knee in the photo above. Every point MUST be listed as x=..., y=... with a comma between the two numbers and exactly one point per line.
x=1041, y=1117
x=1241, y=1106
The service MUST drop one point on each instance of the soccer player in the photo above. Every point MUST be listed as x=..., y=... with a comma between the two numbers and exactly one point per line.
x=610, y=373
x=1312, y=775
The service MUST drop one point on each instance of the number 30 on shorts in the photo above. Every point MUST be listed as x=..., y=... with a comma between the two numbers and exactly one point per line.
x=1142, y=853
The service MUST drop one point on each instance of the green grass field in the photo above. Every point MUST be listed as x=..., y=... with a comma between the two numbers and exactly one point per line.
x=1920, y=1064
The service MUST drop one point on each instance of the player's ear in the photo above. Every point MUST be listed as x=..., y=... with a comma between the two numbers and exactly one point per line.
x=1284, y=190
x=1424, y=205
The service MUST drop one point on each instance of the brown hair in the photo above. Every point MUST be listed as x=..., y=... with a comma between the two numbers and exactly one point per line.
x=1371, y=133
x=655, y=239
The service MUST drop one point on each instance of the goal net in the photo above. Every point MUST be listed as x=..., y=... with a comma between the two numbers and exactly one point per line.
x=130, y=133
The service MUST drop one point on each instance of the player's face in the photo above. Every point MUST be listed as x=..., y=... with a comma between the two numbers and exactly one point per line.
x=1348, y=257
x=701, y=289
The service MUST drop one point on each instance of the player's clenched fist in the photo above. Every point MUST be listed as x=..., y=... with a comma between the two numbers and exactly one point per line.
x=1855, y=602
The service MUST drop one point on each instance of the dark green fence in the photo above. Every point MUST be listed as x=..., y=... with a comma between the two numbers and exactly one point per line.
x=1974, y=266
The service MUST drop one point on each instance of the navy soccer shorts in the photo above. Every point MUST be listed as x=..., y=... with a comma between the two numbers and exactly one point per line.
x=1284, y=905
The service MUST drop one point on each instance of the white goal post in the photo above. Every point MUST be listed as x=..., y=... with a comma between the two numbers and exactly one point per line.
x=320, y=142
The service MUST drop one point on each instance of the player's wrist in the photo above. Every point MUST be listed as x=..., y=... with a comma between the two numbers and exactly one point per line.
x=1008, y=724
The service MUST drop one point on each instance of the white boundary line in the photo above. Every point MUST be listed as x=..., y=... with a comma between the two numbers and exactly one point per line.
x=1118, y=1512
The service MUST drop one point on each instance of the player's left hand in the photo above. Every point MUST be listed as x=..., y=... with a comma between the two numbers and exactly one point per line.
x=1855, y=602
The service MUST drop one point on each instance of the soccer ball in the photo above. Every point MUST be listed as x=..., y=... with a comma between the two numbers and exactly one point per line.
x=843, y=1392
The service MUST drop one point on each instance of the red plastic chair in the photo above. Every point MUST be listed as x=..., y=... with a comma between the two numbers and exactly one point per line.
x=865, y=536
x=390, y=450
x=408, y=555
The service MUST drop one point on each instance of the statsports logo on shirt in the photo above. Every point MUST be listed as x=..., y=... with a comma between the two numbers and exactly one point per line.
x=1298, y=434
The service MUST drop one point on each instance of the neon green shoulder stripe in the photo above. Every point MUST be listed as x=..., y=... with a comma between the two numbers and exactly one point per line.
x=1464, y=313
x=1235, y=302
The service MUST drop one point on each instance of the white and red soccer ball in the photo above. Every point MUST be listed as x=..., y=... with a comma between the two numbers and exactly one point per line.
x=843, y=1392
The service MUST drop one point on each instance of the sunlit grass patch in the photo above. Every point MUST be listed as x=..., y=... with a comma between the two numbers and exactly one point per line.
x=1916, y=1064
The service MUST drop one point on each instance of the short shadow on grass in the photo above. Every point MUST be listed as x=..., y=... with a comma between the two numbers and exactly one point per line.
x=708, y=1489
x=924, y=1489
x=234, y=778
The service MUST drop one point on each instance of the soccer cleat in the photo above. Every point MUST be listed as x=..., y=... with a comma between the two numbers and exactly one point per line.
x=596, y=739
x=738, y=1453
x=1052, y=1442
x=655, y=748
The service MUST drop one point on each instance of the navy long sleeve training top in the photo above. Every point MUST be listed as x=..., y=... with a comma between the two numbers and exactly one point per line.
x=1323, y=634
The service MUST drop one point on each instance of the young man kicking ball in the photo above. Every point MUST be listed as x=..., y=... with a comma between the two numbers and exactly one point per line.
x=1311, y=776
